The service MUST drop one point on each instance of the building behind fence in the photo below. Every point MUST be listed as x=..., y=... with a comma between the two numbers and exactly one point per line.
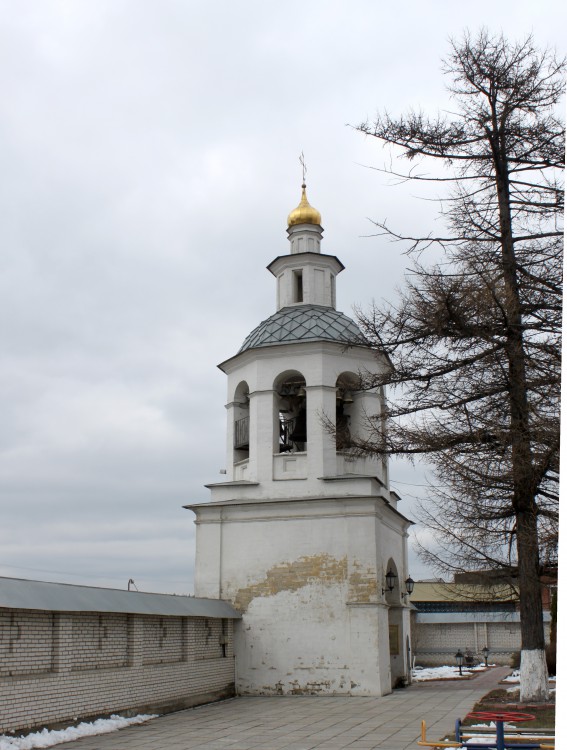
x=452, y=616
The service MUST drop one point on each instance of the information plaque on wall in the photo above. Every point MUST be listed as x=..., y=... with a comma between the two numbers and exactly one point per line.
x=394, y=640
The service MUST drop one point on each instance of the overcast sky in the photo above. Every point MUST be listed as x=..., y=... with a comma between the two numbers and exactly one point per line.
x=149, y=158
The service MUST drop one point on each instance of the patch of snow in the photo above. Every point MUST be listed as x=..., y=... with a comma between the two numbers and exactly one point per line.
x=514, y=677
x=481, y=740
x=48, y=738
x=485, y=739
x=491, y=725
x=423, y=674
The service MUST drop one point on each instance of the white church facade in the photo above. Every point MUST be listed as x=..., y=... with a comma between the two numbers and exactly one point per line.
x=304, y=537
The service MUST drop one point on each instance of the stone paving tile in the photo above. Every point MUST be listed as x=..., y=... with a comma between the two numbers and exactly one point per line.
x=300, y=723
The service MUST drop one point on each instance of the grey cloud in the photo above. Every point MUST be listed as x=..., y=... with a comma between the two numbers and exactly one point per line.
x=149, y=160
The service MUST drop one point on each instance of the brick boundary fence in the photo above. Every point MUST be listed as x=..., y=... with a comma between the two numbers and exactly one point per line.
x=63, y=666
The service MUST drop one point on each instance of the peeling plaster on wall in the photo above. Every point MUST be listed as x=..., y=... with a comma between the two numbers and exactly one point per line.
x=310, y=688
x=363, y=585
x=292, y=576
x=285, y=646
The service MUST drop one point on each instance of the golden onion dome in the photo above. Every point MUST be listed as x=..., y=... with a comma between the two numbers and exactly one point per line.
x=304, y=213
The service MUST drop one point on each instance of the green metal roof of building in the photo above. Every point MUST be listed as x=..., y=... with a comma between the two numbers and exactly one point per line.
x=64, y=597
x=304, y=323
x=444, y=591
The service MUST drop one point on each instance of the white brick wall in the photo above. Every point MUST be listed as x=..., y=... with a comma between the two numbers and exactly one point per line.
x=26, y=642
x=435, y=644
x=163, y=641
x=58, y=666
x=99, y=641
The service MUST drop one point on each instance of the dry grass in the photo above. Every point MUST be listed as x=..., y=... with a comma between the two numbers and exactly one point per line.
x=501, y=700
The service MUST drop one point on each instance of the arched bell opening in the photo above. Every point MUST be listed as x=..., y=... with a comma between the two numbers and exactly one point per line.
x=290, y=413
x=241, y=443
x=346, y=386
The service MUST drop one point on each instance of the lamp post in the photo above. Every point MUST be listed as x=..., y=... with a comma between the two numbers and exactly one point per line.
x=459, y=656
x=485, y=652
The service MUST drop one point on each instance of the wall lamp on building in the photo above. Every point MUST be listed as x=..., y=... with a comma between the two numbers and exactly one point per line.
x=409, y=584
x=485, y=652
x=460, y=657
x=390, y=581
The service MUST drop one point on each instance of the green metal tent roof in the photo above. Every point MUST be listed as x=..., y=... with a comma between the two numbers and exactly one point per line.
x=304, y=323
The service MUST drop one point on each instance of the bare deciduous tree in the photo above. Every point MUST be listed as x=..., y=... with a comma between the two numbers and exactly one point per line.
x=474, y=340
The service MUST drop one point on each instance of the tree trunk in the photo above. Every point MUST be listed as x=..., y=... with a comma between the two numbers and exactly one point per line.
x=492, y=322
x=534, y=684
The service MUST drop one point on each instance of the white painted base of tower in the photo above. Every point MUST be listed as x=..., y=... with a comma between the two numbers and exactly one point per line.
x=301, y=643
x=308, y=577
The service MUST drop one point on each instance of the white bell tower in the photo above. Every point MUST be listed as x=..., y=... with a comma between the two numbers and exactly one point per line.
x=303, y=531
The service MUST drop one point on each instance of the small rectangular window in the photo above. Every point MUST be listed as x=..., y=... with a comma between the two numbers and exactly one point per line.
x=298, y=286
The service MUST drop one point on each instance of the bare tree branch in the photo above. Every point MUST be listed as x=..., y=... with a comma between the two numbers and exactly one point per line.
x=474, y=341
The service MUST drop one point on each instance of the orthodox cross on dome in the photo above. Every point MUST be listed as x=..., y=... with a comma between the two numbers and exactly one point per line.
x=303, y=168
x=304, y=213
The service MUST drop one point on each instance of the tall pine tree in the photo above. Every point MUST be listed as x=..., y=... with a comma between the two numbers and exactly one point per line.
x=475, y=339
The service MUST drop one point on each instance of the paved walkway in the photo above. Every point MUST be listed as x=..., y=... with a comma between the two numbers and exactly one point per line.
x=301, y=723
